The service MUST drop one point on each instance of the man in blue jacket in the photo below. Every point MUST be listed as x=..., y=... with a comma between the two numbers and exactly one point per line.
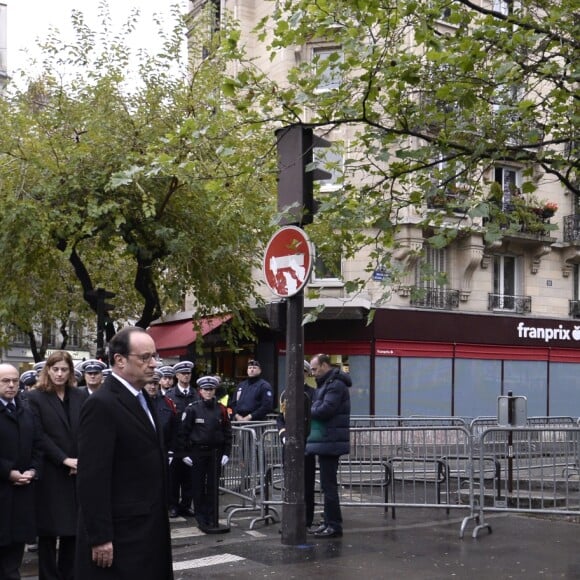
x=329, y=436
x=254, y=398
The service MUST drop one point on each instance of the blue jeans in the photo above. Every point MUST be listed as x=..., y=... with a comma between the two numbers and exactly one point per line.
x=328, y=483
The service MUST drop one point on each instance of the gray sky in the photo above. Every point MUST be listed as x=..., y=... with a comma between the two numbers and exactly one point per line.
x=29, y=20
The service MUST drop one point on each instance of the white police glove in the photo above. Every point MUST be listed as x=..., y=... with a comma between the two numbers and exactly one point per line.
x=283, y=439
x=225, y=460
x=187, y=461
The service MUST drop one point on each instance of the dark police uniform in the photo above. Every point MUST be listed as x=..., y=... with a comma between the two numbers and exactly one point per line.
x=207, y=435
x=254, y=397
x=180, y=492
x=169, y=420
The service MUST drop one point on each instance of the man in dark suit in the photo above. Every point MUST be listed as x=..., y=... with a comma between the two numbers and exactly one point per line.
x=123, y=524
x=20, y=461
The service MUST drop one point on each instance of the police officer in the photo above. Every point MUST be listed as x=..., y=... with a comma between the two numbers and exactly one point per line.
x=180, y=492
x=166, y=381
x=28, y=379
x=207, y=437
x=166, y=411
x=92, y=372
x=39, y=366
x=253, y=399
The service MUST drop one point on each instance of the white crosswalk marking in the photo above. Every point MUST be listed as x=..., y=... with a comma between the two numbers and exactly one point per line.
x=191, y=532
x=209, y=561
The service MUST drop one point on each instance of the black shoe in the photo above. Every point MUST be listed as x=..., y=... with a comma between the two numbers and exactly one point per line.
x=329, y=532
x=187, y=512
x=314, y=529
x=173, y=513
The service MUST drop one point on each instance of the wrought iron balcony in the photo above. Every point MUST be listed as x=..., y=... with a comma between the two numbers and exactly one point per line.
x=574, y=309
x=451, y=200
x=572, y=228
x=511, y=303
x=436, y=298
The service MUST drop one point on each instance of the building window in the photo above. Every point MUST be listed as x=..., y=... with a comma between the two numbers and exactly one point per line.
x=506, y=283
x=327, y=62
x=332, y=160
x=505, y=7
x=431, y=282
x=510, y=181
x=74, y=334
x=19, y=337
x=327, y=270
x=575, y=302
x=431, y=270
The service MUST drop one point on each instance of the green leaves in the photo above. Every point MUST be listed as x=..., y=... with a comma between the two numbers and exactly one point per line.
x=154, y=193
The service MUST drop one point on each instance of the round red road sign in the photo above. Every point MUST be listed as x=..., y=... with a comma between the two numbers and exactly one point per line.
x=288, y=261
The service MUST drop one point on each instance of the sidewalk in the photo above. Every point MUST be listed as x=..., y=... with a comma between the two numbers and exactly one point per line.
x=420, y=544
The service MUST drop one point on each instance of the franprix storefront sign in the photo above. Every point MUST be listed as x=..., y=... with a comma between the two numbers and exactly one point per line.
x=547, y=334
x=460, y=328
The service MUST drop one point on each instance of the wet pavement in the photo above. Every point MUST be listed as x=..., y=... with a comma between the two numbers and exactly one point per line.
x=420, y=544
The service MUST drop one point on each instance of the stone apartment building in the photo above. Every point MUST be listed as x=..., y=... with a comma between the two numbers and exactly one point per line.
x=507, y=318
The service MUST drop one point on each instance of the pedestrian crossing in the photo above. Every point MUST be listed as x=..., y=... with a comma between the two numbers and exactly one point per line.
x=207, y=561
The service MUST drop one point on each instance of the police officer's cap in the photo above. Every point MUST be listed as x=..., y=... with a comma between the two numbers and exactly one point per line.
x=39, y=366
x=78, y=374
x=184, y=366
x=166, y=371
x=29, y=378
x=307, y=368
x=93, y=366
x=254, y=363
x=107, y=372
x=208, y=382
x=157, y=375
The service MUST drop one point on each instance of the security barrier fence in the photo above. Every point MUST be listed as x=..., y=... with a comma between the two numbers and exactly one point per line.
x=470, y=466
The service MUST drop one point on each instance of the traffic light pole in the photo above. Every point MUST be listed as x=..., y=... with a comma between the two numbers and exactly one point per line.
x=102, y=315
x=293, y=507
x=296, y=176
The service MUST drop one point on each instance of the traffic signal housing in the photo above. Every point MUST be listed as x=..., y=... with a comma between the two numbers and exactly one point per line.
x=297, y=174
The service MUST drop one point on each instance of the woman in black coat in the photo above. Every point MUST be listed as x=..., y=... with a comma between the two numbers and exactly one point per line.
x=57, y=404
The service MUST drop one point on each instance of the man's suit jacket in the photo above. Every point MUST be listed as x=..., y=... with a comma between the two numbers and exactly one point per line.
x=20, y=450
x=122, y=487
x=56, y=491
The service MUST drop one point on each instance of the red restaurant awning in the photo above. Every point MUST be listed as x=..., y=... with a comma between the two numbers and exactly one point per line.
x=173, y=338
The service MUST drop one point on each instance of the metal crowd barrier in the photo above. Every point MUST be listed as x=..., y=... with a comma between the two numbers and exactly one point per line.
x=541, y=472
x=244, y=476
x=427, y=462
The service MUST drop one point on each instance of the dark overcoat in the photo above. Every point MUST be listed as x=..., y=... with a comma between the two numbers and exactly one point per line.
x=20, y=450
x=122, y=488
x=56, y=500
x=330, y=429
